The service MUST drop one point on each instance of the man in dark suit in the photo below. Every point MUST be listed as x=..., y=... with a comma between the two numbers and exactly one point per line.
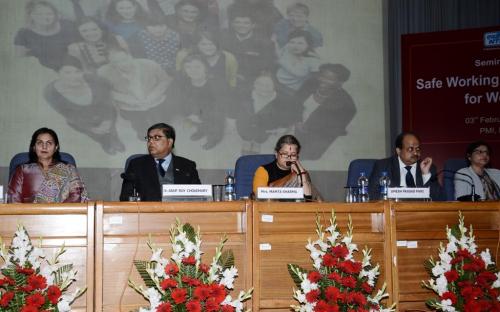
x=147, y=173
x=405, y=168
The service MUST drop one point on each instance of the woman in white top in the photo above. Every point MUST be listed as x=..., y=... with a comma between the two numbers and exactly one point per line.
x=486, y=180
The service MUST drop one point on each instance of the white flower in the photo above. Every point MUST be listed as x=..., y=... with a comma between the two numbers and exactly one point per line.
x=228, y=277
x=156, y=256
x=438, y=270
x=63, y=306
x=496, y=284
x=486, y=256
x=300, y=296
x=447, y=305
x=307, y=285
x=154, y=297
x=322, y=245
x=441, y=285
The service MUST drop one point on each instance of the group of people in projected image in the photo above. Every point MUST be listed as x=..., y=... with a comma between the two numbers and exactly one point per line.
x=201, y=61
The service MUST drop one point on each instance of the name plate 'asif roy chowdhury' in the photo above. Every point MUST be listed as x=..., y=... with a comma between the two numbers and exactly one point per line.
x=280, y=193
x=200, y=191
x=408, y=193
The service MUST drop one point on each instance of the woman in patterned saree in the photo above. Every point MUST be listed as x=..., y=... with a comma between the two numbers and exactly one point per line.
x=45, y=178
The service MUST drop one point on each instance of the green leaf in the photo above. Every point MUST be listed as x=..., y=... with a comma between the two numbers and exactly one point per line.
x=142, y=267
x=226, y=259
x=58, y=274
x=294, y=269
x=190, y=232
x=455, y=231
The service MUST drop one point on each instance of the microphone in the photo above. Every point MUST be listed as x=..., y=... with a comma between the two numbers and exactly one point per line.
x=473, y=196
x=131, y=178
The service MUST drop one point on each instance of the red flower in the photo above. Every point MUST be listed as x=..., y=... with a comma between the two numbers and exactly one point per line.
x=193, y=306
x=218, y=293
x=37, y=281
x=312, y=296
x=329, y=260
x=335, y=276
x=332, y=293
x=7, y=281
x=164, y=307
x=464, y=253
x=171, y=269
x=470, y=293
x=168, y=283
x=476, y=265
x=190, y=281
x=321, y=306
x=29, y=308
x=53, y=293
x=350, y=267
x=211, y=305
x=227, y=308
x=314, y=276
x=348, y=281
x=204, y=268
x=332, y=308
x=357, y=297
x=36, y=300
x=451, y=276
x=25, y=271
x=485, y=278
x=472, y=306
x=449, y=295
x=179, y=295
x=201, y=292
x=189, y=260
x=367, y=288
x=6, y=298
x=340, y=251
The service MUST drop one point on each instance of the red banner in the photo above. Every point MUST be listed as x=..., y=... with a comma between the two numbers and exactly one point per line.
x=451, y=93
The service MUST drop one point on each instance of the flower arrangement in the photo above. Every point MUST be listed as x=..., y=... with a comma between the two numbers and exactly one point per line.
x=338, y=281
x=463, y=279
x=29, y=282
x=185, y=283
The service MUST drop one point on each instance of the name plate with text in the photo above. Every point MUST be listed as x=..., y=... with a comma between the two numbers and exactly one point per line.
x=187, y=190
x=280, y=193
x=408, y=192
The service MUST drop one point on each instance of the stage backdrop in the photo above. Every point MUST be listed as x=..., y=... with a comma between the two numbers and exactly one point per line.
x=451, y=90
x=100, y=82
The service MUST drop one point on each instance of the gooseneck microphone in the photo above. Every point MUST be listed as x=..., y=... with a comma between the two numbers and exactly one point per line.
x=130, y=177
x=472, y=197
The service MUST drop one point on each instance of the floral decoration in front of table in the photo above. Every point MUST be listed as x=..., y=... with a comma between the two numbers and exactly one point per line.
x=184, y=283
x=31, y=283
x=338, y=282
x=463, y=278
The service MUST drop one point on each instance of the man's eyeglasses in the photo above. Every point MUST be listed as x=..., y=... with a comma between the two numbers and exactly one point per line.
x=412, y=149
x=288, y=156
x=155, y=138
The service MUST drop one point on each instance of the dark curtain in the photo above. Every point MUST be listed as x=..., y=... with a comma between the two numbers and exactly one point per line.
x=417, y=16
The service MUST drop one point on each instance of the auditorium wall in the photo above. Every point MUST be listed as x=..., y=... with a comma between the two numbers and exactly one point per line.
x=228, y=117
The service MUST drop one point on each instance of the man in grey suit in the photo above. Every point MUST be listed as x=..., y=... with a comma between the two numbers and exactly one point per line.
x=149, y=172
x=406, y=168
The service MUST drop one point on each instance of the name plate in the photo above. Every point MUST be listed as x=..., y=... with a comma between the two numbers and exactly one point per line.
x=187, y=190
x=280, y=193
x=408, y=192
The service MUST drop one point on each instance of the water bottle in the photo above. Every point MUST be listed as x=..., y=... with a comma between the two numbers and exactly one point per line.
x=362, y=188
x=384, y=182
x=229, y=191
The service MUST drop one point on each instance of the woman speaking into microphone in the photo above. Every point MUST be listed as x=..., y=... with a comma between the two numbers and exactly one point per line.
x=286, y=170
